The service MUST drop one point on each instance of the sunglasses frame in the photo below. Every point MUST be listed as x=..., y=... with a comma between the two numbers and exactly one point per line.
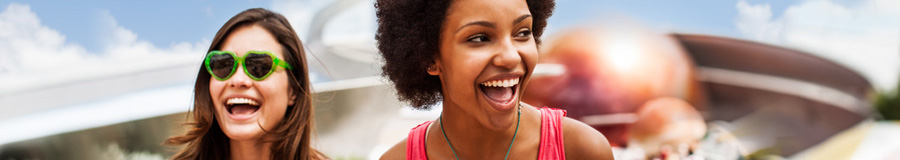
x=240, y=60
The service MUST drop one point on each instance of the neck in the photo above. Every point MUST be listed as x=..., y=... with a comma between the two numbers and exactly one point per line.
x=471, y=138
x=241, y=150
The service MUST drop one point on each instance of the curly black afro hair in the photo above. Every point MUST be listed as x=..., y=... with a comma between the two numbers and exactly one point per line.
x=409, y=38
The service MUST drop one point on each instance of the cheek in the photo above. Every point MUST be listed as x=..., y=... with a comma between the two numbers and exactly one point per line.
x=465, y=66
x=470, y=61
x=275, y=91
x=530, y=55
x=215, y=89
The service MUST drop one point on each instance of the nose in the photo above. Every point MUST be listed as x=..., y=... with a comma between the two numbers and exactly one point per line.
x=507, y=55
x=240, y=79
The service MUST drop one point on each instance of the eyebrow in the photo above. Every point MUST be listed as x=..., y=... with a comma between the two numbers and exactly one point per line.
x=480, y=23
x=492, y=25
x=521, y=18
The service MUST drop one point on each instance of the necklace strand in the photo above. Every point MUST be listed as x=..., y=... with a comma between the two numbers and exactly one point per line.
x=518, y=119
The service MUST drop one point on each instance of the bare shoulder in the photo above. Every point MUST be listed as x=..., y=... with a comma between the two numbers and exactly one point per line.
x=397, y=152
x=584, y=142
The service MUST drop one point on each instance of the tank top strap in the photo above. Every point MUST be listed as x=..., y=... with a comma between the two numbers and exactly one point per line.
x=415, y=143
x=551, y=147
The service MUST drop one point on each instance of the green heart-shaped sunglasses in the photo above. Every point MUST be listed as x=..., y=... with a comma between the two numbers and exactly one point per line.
x=257, y=64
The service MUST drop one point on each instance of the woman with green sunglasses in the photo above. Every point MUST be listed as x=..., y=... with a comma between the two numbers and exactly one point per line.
x=252, y=96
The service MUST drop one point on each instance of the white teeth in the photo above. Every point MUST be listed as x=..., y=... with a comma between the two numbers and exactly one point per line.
x=501, y=83
x=233, y=101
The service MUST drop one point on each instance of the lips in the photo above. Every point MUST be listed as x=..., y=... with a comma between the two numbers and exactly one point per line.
x=241, y=108
x=500, y=92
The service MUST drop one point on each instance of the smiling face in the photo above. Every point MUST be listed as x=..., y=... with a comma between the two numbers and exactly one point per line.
x=242, y=105
x=487, y=54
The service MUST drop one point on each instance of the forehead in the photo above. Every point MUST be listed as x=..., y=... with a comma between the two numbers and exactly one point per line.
x=252, y=37
x=464, y=11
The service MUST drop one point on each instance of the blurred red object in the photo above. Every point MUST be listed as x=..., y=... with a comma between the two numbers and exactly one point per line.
x=782, y=100
x=666, y=121
x=609, y=73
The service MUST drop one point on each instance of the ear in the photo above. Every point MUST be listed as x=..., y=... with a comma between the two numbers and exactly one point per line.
x=292, y=99
x=435, y=68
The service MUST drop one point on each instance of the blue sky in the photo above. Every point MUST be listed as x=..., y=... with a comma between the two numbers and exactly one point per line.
x=169, y=21
x=836, y=29
x=159, y=22
x=714, y=16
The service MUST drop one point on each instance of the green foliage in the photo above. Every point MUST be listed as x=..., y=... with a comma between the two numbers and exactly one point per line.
x=887, y=103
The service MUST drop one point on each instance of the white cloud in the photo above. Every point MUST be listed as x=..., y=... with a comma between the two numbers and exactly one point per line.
x=356, y=19
x=121, y=42
x=26, y=44
x=756, y=22
x=298, y=12
x=863, y=36
x=32, y=54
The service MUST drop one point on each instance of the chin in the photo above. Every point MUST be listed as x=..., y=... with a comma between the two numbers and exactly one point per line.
x=243, y=131
x=501, y=121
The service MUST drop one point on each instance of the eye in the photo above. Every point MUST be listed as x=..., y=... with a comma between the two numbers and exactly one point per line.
x=524, y=34
x=477, y=38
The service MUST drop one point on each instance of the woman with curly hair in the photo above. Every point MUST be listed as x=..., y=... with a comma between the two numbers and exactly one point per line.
x=252, y=96
x=475, y=57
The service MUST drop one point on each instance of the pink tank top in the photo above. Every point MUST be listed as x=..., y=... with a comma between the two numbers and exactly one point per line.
x=551, y=145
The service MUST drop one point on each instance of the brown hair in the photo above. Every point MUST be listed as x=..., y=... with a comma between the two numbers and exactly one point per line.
x=409, y=38
x=205, y=139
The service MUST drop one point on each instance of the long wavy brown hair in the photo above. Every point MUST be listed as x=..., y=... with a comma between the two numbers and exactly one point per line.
x=291, y=140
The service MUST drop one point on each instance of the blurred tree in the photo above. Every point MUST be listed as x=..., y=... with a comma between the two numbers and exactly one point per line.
x=888, y=103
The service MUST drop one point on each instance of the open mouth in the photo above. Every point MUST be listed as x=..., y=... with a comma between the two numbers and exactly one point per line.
x=241, y=106
x=500, y=91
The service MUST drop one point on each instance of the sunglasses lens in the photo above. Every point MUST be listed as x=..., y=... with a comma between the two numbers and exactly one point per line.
x=258, y=65
x=221, y=65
